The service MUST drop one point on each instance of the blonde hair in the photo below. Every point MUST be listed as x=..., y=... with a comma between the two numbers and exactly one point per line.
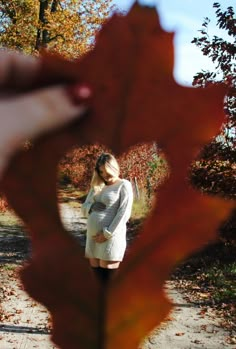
x=111, y=166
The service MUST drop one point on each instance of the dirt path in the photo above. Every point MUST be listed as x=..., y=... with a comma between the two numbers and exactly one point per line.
x=25, y=324
x=190, y=327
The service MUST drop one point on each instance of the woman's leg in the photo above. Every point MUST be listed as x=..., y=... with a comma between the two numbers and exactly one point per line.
x=94, y=262
x=104, y=270
x=107, y=270
x=109, y=264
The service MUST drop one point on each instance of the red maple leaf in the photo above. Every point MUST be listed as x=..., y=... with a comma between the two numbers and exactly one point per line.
x=135, y=100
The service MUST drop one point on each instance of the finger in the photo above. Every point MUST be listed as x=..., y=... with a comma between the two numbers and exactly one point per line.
x=35, y=113
x=17, y=70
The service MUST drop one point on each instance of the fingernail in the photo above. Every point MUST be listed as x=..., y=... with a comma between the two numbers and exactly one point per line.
x=79, y=93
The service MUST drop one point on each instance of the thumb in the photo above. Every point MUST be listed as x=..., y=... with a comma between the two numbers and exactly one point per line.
x=31, y=114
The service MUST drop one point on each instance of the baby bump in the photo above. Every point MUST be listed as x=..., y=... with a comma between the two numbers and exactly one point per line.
x=96, y=222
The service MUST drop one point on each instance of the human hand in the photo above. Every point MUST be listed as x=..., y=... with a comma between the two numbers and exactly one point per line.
x=25, y=113
x=98, y=206
x=99, y=237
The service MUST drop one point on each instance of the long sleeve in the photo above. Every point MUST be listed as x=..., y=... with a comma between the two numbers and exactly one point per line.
x=124, y=211
x=88, y=203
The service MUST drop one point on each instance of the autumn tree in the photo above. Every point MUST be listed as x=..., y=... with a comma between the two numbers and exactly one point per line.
x=143, y=164
x=76, y=167
x=222, y=51
x=215, y=170
x=67, y=27
x=64, y=26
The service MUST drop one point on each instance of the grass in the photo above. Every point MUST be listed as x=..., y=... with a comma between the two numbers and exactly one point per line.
x=140, y=208
x=8, y=267
x=140, y=211
x=210, y=278
x=222, y=279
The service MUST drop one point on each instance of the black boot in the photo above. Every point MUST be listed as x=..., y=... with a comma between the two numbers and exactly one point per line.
x=104, y=274
x=96, y=271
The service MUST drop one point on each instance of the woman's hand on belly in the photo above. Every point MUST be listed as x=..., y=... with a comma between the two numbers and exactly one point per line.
x=99, y=237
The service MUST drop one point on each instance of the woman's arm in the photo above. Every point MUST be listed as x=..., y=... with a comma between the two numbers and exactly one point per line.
x=86, y=206
x=124, y=210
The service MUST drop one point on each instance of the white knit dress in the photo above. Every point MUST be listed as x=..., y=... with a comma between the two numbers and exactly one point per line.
x=111, y=221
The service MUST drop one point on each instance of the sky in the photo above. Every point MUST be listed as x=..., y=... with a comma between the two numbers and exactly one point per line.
x=185, y=18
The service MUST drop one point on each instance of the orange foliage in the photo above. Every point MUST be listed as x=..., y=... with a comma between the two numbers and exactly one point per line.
x=3, y=204
x=77, y=166
x=136, y=100
x=67, y=27
x=142, y=162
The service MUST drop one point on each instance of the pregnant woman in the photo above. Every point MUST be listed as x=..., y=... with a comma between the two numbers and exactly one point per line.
x=108, y=207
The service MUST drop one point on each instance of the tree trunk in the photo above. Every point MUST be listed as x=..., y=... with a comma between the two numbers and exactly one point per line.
x=42, y=34
x=137, y=194
x=54, y=6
